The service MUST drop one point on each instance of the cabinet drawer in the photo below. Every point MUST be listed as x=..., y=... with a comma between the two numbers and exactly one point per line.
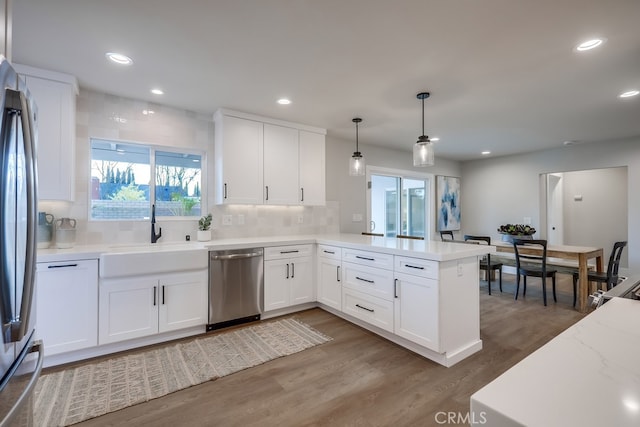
x=365, y=307
x=285, y=252
x=417, y=267
x=373, y=259
x=331, y=252
x=370, y=280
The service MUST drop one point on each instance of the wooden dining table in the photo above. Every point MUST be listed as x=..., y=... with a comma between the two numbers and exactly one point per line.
x=582, y=254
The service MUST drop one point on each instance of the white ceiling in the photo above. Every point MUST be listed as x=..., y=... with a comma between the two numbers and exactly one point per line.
x=503, y=74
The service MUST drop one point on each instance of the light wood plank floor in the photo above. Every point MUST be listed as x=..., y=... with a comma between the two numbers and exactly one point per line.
x=360, y=379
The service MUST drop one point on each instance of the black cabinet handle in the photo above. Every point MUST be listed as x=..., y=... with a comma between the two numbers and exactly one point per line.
x=155, y=288
x=302, y=197
x=293, y=270
x=287, y=270
x=395, y=288
x=414, y=266
x=365, y=280
x=365, y=308
x=224, y=193
x=162, y=294
x=338, y=273
x=329, y=252
x=290, y=252
x=62, y=266
x=365, y=258
x=267, y=187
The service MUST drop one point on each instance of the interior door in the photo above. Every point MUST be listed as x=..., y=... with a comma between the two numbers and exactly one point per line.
x=555, y=211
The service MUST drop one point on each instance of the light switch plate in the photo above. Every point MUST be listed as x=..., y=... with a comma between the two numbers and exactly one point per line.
x=227, y=220
x=356, y=217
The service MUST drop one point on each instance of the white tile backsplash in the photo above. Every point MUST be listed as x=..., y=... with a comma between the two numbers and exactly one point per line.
x=95, y=114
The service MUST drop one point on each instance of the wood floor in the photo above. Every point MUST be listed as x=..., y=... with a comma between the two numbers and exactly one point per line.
x=360, y=379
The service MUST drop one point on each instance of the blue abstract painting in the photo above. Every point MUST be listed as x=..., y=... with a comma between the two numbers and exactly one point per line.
x=448, y=202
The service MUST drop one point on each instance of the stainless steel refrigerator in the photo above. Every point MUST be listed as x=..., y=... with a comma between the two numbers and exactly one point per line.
x=19, y=369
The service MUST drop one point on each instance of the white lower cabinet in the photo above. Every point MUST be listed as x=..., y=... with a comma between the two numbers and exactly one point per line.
x=66, y=305
x=416, y=310
x=144, y=305
x=329, y=276
x=374, y=310
x=288, y=276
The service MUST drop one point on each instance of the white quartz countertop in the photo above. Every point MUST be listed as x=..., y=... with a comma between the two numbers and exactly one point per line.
x=433, y=250
x=589, y=375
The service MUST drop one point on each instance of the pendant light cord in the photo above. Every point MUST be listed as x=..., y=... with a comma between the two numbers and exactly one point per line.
x=423, y=116
x=357, y=150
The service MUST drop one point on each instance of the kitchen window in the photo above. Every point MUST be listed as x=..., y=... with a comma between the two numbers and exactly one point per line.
x=127, y=178
x=399, y=202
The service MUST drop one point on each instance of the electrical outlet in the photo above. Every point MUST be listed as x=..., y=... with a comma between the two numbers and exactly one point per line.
x=240, y=219
x=227, y=220
x=460, y=269
x=527, y=220
x=300, y=219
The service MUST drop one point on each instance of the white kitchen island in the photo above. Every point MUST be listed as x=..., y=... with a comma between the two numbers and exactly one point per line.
x=422, y=295
x=588, y=375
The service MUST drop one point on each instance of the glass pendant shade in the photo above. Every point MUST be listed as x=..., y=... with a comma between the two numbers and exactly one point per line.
x=423, y=153
x=423, y=149
x=356, y=164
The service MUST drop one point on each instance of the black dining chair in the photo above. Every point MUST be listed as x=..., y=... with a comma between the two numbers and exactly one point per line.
x=533, y=264
x=610, y=278
x=485, y=263
x=446, y=235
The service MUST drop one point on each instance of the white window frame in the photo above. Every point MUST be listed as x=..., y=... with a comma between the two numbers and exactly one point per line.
x=405, y=174
x=152, y=185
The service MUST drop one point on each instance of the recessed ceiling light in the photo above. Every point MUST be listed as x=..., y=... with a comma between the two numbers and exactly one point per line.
x=284, y=101
x=589, y=44
x=157, y=91
x=119, y=58
x=486, y=153
x=148, y=112
x=435, y=139
x=629, y=93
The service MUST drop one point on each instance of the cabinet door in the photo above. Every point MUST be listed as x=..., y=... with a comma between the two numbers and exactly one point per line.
x=277, y=274
x=280, y=165
x=128, y=309
x=301, y=282
x=416, y=310
x=311, y=147
x=56, y=137
x=239, y=157
x=329, y=284
x=182, y=301
x=67, y=305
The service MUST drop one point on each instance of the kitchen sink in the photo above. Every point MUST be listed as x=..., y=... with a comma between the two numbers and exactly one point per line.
x=145, y=259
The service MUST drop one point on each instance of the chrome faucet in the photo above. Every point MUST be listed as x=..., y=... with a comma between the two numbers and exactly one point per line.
x=154, y=236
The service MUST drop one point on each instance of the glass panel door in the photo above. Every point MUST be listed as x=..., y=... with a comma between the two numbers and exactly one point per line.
x=398, y=205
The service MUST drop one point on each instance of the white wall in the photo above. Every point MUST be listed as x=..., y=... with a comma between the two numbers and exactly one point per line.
x=600, y=217
x=506, y=189
x=350, y=191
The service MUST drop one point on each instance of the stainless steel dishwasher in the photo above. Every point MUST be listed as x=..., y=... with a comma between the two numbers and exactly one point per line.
x=236, y=281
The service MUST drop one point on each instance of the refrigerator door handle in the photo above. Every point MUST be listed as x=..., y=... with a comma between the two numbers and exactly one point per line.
x=17, y=103
x=28, y=390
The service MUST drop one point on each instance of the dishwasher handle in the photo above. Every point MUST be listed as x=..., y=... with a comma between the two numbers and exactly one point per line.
x=236, y=256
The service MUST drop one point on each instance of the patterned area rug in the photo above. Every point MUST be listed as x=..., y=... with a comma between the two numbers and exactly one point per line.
x=70, y=396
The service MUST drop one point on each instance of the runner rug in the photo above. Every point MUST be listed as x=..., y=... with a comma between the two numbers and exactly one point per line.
x=77, y=394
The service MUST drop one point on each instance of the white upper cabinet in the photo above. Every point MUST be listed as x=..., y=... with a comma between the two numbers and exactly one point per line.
x=267, y=161
x=280, y=165
x=238, y=161
x=311, y=151
x=55, y=97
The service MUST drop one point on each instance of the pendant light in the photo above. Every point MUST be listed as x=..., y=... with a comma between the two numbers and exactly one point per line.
x=423, y=150
x=356, y=163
